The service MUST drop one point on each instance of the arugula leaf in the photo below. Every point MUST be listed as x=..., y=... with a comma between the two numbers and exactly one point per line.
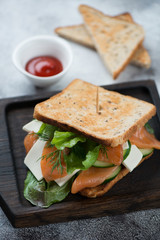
x=66, y=139
x=42, y=128
x=43, y=194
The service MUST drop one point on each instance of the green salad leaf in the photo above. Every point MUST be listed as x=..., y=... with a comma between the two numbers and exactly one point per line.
x=73, y=162
x=66, y=139
x=59, y=138
x=91, y=157
x=149, y=128
x=43, y=194
x=82, y=156
x=46, y=131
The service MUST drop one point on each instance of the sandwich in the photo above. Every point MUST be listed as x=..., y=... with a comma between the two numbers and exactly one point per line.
x=84, y=140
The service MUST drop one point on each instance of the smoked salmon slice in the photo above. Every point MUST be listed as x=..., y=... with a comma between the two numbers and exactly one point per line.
x=47, y=166
x=143, y=139
x=111, y=155
x=91, y=177
x=29, y=141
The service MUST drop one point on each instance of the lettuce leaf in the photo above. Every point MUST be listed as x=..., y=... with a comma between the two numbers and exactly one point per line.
x=82, y=156
x=43, y=194
x=59, y=138
x=73, y=162
x=66, y=139
x=91, y=157
x=46, y=131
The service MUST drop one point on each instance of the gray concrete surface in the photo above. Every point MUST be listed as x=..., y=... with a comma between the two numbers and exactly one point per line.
x=22, y=19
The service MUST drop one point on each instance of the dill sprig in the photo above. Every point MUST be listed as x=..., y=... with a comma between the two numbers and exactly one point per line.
x=46, y=133
x=55, y=158
x=49, y=145
x=43, y=136
x=104, y=150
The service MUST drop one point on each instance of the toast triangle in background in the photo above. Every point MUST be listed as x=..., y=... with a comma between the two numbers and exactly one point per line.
x=79, y=34
x=115, y=40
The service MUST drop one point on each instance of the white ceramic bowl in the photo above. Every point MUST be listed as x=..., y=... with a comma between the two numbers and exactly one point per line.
x=42, y=46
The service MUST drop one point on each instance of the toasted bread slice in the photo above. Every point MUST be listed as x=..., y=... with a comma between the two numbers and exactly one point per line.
x=76, y=33
x=104, y=188
x=115, y=40
x=79, y=34
x=74, y=109
x=125, y=16
x=141, y=58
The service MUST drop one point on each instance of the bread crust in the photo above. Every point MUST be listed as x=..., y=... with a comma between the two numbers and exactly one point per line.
x=104, y=188
x=116, y=73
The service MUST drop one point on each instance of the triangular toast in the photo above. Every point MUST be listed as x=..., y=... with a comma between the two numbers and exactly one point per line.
x=79, y=34
x=115, y=40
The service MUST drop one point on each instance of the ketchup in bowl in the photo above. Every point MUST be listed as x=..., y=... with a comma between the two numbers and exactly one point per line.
x=44, y=66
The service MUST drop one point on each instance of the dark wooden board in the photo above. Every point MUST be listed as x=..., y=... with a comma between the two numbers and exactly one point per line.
x=139, y=190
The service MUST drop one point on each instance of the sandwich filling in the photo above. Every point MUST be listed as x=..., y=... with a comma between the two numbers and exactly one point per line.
x=70, y=162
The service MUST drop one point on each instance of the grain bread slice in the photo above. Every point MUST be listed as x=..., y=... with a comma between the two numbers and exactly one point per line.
x=76, y=33
x=104, y=188
x=115, y=40
x=79, y=34
x=74, y=109
x=141, y=58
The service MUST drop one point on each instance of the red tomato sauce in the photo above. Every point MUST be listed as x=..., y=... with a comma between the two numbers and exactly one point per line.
x=44, y=66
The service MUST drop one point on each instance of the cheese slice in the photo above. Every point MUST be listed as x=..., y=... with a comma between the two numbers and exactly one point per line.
x=62, y=181
x=32, y=126
x=125, y=145
x=33, y=159
x=133, y=159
